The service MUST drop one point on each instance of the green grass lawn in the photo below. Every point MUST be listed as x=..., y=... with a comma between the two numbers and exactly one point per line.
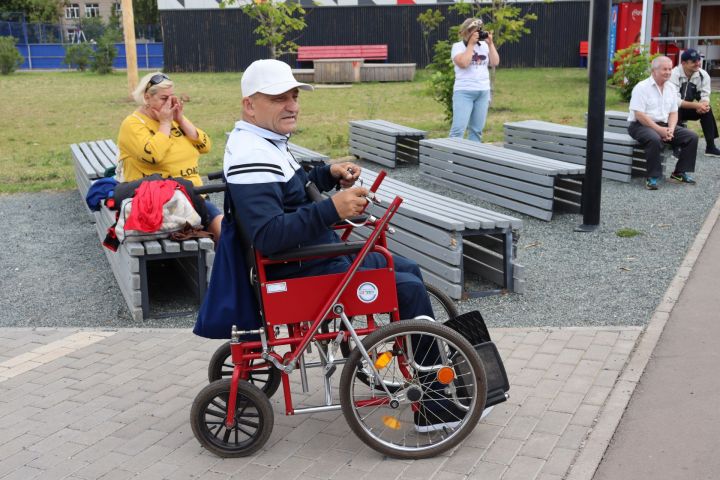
x=44, y=112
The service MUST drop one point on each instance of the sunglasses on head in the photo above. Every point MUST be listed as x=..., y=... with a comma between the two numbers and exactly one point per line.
x=156, y=79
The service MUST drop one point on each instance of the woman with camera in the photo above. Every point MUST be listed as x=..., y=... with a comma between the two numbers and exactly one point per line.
x=471, y=92
x=158, y=138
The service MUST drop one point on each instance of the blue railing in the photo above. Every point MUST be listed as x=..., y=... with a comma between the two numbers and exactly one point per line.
x=52, y=55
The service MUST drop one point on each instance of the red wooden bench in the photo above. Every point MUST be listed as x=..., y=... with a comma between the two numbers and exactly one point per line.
x=583, y=53
x=366, y=52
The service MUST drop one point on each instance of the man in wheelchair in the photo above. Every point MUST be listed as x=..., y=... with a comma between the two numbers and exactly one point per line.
x=267, y=187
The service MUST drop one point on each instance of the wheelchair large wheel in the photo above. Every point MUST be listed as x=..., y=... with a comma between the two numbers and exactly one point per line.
x=443, y=309
x=221, y=366
x=253, y=419
x=440, y=399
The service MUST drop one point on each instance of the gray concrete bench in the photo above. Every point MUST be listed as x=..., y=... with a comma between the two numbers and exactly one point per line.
x=384, y=142
x=450, y=239
x=520, y=181
x=131, y=262
x=566, y=143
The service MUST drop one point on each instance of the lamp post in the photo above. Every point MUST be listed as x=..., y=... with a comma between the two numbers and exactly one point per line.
x=596, y=116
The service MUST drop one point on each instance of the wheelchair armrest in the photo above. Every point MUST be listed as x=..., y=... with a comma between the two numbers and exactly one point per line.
x=325, y=250
x=210, y=188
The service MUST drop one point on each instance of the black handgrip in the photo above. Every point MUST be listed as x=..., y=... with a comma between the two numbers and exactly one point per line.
x=313, y=193
x=210, y=188
x=219, y=175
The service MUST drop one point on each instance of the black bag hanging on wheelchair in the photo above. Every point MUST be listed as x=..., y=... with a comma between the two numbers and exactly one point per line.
x=472, y=326
x=230, y=298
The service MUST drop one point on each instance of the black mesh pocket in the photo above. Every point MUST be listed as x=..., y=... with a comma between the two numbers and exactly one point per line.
x=472, y=326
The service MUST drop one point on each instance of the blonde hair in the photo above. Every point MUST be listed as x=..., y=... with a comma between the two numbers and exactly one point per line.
x=469, y=26
x=139, y=93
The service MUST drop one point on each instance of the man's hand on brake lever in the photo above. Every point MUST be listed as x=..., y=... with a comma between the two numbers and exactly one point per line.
x=350, y=202
x=346, y=173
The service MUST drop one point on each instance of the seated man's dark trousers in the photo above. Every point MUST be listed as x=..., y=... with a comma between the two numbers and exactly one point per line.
x=707, y=122
x=651, y=142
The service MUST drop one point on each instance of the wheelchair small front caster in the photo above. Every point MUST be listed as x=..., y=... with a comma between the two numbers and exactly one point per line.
x=251, y=428
x=221, y=366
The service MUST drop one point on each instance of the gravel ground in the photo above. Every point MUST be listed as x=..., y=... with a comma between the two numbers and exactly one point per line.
x=54, y=272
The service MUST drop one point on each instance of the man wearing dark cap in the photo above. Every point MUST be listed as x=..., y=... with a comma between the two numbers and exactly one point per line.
x=693, y=84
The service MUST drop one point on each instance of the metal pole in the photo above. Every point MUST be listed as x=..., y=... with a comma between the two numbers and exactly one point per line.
x=596, y=116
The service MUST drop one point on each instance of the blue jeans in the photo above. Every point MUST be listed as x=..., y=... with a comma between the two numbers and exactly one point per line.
x=469, y=112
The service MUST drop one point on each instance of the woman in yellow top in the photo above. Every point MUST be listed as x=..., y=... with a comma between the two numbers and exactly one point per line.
x=158, y=138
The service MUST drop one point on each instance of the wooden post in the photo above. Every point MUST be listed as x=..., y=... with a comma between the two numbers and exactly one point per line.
x=130, y=50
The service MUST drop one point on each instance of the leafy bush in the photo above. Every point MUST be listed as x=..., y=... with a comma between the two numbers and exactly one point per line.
x=78, y=56
x=10, y=58
x=442, y=79
x=632, y=66
x=105, y=53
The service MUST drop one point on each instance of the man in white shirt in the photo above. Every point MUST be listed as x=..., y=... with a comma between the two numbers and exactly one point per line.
x=693, y=84
x=653, y=121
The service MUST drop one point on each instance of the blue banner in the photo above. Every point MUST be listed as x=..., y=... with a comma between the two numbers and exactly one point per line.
x=611, y=38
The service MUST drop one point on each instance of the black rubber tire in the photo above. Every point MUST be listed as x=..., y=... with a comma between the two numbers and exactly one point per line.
x=350, y=371
x=213, y=398
x=221, y=366
x=440, y=299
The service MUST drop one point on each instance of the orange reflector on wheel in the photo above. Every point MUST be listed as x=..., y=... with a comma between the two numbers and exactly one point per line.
x=446, y=375
x=383, y=360
x=391, y=422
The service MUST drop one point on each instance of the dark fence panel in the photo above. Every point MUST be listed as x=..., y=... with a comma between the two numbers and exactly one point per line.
x=222, y=40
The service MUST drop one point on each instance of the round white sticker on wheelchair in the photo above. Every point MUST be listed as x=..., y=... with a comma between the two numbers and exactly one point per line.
x=367, y=292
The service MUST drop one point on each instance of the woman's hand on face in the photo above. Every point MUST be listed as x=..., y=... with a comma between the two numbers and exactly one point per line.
x=165, y=113
x=177, y=107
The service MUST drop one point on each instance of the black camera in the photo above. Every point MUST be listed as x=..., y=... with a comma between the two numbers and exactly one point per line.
x=482, y=34
x=690, y=93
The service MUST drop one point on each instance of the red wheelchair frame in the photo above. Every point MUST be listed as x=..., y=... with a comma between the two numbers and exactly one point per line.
x=354, y=293
x=286, y=300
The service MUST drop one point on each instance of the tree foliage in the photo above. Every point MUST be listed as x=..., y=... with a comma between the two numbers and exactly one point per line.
x=429, y=21
x=78, y=56
x=10, y=58
x=277, y=22
x=502, y=17
x=105, y=53
x=40, y=11
x=145, y=12
x=632, y=66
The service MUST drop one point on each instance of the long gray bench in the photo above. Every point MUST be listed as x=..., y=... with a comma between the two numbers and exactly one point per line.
x=566, y=143
x=520, y=181
x=616, y=121
x=132, y=261
x=451, y=240
x=384, y=142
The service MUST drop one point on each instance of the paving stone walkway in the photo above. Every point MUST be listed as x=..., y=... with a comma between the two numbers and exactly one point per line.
x=91, y=404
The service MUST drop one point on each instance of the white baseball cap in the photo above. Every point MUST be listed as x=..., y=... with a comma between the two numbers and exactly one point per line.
x=271, y=77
